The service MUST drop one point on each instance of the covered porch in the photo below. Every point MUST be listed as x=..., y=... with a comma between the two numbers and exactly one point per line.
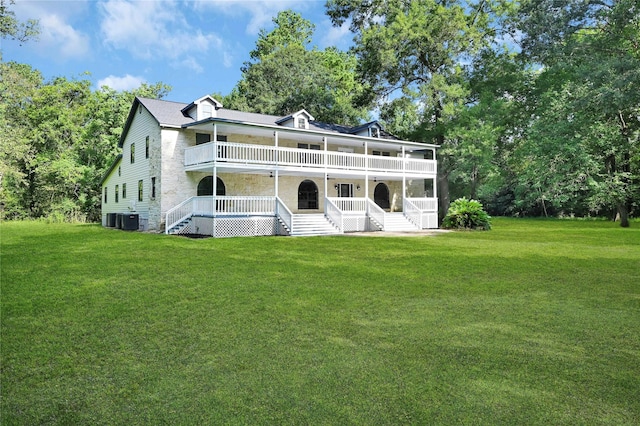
x=226, y=216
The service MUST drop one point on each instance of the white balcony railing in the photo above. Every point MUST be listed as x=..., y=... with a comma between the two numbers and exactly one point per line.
x=239, y=153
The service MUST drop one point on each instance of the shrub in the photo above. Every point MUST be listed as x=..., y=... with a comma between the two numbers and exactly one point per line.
x=466, y=214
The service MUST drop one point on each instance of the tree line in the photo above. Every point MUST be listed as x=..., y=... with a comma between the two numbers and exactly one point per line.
x=535, y=104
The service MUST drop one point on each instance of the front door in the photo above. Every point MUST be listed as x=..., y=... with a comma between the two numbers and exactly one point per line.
x=307, y=195
x=381, y=196
x=345, y=190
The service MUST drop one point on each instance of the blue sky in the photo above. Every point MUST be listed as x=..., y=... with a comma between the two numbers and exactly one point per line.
x=195, y=46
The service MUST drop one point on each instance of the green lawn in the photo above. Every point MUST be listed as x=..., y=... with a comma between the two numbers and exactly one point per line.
x=534, y=322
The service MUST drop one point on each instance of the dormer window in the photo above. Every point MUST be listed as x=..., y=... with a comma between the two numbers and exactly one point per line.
x=202, y=108
x=298, y=120
x=206, y=110
x=375, y=132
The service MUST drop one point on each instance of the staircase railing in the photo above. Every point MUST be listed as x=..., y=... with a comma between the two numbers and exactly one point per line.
x=182, y=211
x=415, y=209
x=376, y=213
x=334, y=214
x=283, y=212
x=412, y=212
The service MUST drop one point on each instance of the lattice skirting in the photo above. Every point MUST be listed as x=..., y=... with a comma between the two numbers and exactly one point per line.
x=235, y=226
x=430, y=220
x=355, y=223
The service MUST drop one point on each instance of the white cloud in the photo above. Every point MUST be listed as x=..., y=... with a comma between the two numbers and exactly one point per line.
x=152, y=29
x=190, y=63
x=127, y=82
x=70, y=43
x=339, y=37
x=58, y=38
x=261, y=11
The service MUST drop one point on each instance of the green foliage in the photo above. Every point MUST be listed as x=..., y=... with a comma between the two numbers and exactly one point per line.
x=285, y=76
x=466, y=214
x=513, y=326
x=10, y=27
x=415, y=53
x=58, y=139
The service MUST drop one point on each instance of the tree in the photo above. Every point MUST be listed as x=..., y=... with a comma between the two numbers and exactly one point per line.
x=11, y=28
x=414, y=53
x=58, y=139
x=592, y=49
x=18, y=85
x=284, y=76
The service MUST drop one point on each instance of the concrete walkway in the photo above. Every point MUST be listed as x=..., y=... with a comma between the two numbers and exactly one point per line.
x=422, y=233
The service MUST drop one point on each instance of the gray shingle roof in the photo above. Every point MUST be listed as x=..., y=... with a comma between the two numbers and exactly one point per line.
x=169, y=113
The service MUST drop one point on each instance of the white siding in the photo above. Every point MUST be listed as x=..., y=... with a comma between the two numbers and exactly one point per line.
x=143, y=125
x=110, y=206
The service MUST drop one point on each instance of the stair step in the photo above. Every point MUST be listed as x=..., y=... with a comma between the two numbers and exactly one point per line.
x=311, y=224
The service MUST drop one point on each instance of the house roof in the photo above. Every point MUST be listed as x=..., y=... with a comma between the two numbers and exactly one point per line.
x=173, y=114
x=111, y=169
x=295, y=114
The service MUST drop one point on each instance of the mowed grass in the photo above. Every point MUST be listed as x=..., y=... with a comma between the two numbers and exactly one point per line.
x=534, y=322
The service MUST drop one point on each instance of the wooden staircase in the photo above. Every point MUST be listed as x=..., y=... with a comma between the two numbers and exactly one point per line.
x=312, y=224
x=396, y=222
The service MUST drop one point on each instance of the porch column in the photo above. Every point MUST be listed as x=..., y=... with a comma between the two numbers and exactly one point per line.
x=276, y=177
x=404, y=177
x=215, y=176
x=366, y=172
x=435, y=179
x=326, y=174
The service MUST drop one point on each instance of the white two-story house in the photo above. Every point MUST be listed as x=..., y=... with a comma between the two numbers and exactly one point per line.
x=201, y=169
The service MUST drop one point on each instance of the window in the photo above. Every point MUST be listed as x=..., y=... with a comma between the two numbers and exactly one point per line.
x=146, y=148
x=206, y=110
x=119, y=171
x=105, y=194
x=153, y=188
x=375, y=132
x=205, y=187
x=124, y=191
x=382, y=153
x=117, y=193
x=140, y=189
x=302, y=123
x=133, y=153
x=221, y=138
x=309, y=146
x=202, y=138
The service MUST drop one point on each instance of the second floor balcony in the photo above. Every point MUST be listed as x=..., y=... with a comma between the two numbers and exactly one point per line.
x=230, y=153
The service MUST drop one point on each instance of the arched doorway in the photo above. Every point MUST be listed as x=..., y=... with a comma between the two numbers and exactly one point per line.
x=381, y=196
x=205, y=187
x=307, y=195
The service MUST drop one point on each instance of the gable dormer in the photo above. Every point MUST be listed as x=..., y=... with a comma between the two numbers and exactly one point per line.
x=298, y=120
x=202, y=108
x=372, y=129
